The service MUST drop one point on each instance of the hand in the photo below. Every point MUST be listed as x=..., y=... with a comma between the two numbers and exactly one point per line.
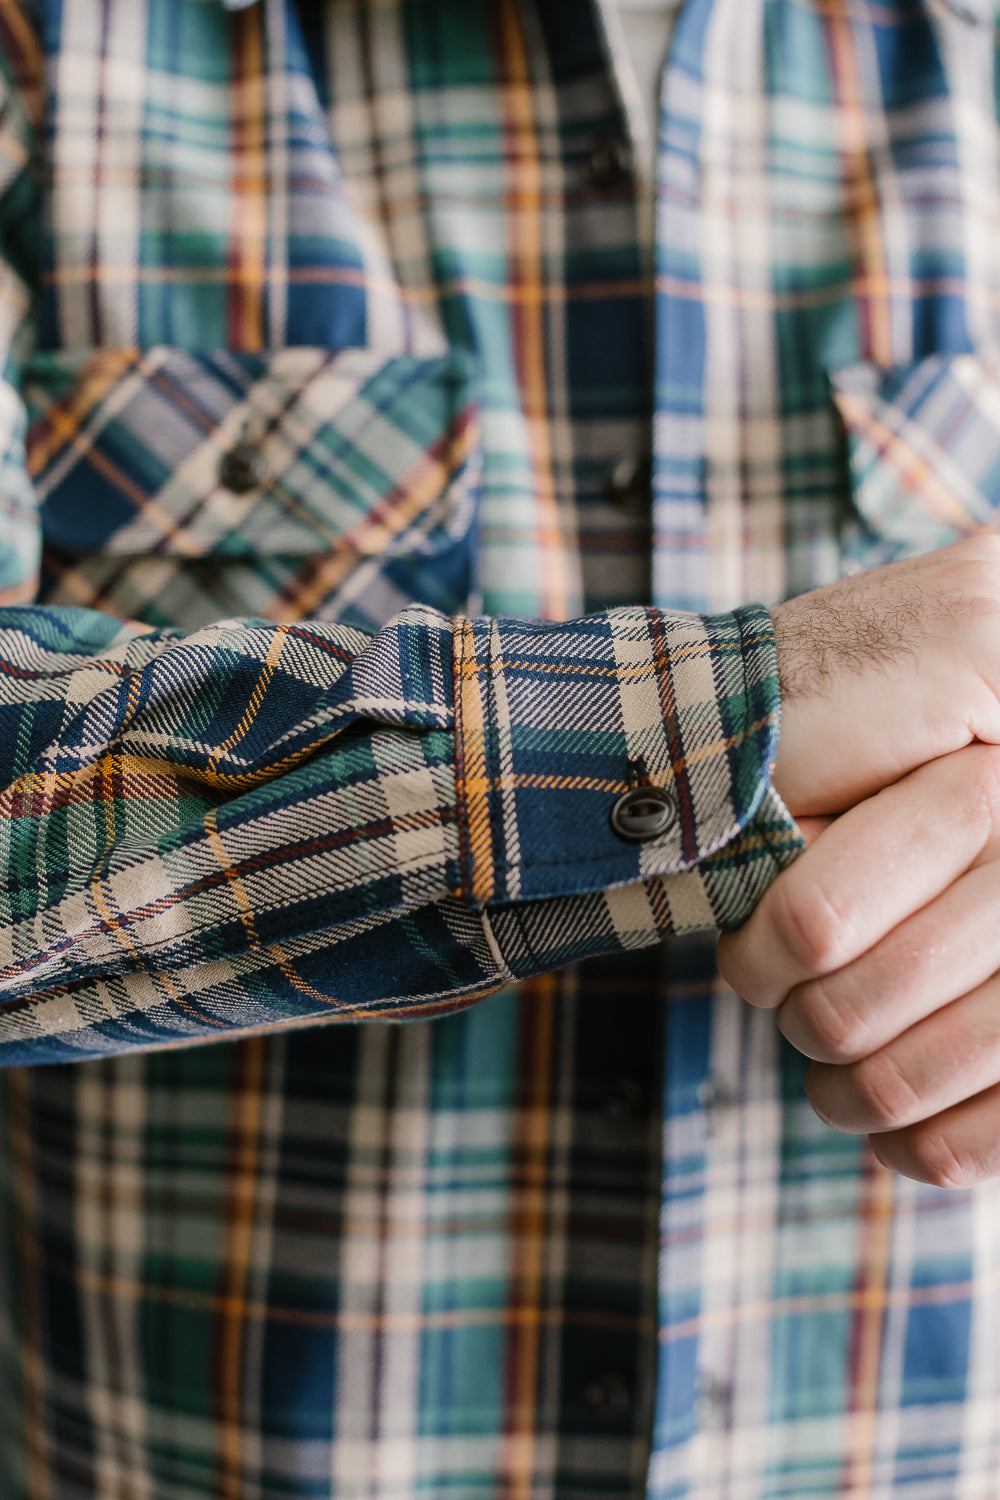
x=886, y=671
x=880, y=950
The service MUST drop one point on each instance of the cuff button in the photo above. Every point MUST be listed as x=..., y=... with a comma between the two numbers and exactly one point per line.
x=643, y=813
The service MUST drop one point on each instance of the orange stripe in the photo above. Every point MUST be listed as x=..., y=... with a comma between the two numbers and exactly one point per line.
x=109, y=770
x=718, y=294
x=111, y=1285
x=431, y=297
x=915, y=472
x=203, y=275
x=248, y=222
x=168, y=984
x=165, y=778
x=870, y=273
x=688, y=651
x=860, y=1300
x=473, y=784
x=243, y=903
x=257, y=696
x=874, y=1260
x=531, y=296
x=246, y=911
x=411, y=495
x=62, y=424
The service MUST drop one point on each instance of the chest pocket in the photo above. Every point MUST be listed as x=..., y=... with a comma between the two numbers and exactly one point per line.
x=923, y=449
x=178, y=486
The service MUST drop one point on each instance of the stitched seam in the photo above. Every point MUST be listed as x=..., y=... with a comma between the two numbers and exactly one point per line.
x=466, y=874
x=491, y=741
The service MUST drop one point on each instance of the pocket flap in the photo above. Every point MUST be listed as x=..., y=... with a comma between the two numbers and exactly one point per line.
x=353, y=450
x=924, y=450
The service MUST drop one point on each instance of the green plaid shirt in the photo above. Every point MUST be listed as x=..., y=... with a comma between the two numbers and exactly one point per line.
x=379, y=524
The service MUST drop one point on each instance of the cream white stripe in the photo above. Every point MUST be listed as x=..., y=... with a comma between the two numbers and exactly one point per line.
x=356, y=1444
x=895, y=1327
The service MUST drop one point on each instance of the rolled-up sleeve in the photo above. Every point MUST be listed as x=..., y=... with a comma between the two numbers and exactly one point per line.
x=258, y=825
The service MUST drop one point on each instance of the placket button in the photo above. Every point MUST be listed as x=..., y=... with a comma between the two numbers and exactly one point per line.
x=610, y=163
x=714, y=1399
x=643, y=813
x=715, y=1093
x=243, y=468
x=626, y=1102
x=608, y=1396
x=627, y=481
x=715, y=1096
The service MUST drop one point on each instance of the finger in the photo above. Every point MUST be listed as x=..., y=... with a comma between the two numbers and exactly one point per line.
x=954, y=1149
x=943, y=1060
x=811, y=828
x=871, y=869
x=948, y=948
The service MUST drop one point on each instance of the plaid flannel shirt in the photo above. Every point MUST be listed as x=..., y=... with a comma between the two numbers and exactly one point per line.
x=323, y=662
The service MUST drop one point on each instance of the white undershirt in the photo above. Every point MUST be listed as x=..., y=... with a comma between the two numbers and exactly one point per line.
x=647, y=26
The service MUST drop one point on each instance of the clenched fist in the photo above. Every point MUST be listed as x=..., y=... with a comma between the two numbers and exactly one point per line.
x=880, y=947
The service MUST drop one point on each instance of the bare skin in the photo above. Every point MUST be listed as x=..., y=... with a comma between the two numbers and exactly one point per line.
x=880, y=948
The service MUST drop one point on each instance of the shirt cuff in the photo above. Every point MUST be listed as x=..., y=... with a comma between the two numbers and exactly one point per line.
x=557, y=722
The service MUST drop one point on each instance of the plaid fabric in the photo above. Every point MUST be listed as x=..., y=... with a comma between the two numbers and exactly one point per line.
x=376, y=240
x=829, y=199
x=374, y=464
x=203, y=833
x=924, y=447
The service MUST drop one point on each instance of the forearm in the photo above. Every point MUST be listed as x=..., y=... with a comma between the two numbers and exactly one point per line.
x=258, y=823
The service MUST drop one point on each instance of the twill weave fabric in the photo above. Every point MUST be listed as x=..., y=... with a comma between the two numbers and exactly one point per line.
x=343, y=744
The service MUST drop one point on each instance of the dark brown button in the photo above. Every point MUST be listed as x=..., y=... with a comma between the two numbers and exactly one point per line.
x=713, y=1398
x=243, y=469
x=609, y=1396
x=611, y=163
x=643, y=813
x=627, y=481
x=715, y=1093
x=626, y=1102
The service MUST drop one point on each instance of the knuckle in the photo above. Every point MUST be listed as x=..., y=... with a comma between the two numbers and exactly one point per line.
x=966, y=591
x=885, y=1093
x=974, y=565
x=939, y=1161
x=825, y=1022
x=981, y=547
x=809, y=927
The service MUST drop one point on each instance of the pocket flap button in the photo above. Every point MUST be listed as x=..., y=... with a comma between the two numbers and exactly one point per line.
x=243, y=468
